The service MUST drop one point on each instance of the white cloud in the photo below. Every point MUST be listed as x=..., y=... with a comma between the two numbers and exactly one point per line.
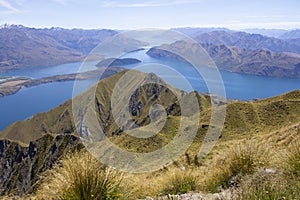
x=148, y=3
x=5, y=4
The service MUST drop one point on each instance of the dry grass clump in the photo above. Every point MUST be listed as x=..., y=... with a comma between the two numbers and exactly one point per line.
x=266, y=186
x=179, y=181
x=242, y=159
x=284, y=184
x=292, y=159
x=82, y=177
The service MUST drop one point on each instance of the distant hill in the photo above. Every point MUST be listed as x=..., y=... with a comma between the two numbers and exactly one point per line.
x=193, y=32
x=247, y=41
x=293, y=34
x=109, y=62
x=234, y=59
x=79, y=39
x=255, y=62
x=276, y=33
x=267, y=32
x=22, y=46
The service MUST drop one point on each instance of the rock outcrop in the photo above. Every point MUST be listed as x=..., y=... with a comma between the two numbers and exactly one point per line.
x=22, y=166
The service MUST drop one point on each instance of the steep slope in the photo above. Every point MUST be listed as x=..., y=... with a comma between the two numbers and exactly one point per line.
x=256, y=62
x=22, y=166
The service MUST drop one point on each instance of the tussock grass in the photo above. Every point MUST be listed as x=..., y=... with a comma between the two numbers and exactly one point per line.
x=179, y=181
x=82, y=177
x=284, y=184
x=269, y=187
x=242, y=159
x=293, y=159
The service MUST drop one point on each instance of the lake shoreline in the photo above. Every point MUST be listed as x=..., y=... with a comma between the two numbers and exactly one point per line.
x=12, y=85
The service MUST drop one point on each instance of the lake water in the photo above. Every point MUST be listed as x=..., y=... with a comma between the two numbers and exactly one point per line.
x=30, y=101
x=41, y=72
x=237, y=86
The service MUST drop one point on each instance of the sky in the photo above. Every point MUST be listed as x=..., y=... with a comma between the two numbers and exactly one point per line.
x=135, y=14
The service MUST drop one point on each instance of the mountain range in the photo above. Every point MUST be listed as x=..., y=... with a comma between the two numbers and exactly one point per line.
x=234, y=59
x=273, y=33
x=248, y=41
x=29, y=149
x=22, y=46
x=232, y=50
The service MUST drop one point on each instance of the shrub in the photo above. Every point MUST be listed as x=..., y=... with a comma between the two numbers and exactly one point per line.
x=82, y=177
x=179, y=182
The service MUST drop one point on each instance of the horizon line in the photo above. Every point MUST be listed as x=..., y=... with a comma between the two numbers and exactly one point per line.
x=125, y=29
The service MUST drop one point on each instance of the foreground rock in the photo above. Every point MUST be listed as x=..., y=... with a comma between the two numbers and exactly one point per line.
x=225, y=195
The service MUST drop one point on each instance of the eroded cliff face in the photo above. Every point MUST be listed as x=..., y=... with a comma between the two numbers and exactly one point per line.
x=22, y=166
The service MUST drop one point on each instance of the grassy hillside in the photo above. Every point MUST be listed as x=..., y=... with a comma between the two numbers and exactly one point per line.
x=265, y=166
x=242, y=118
x=60, y=120
x=263, y=115
x=257, y=135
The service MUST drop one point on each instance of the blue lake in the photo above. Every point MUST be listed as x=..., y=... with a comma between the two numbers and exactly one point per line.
x=41, y=72
x=30, y=101
x=237, y=86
